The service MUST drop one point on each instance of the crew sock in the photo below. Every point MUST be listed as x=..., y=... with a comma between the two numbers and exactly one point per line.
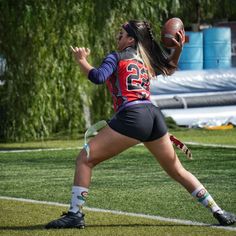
x=78, y=198
x=202, y=195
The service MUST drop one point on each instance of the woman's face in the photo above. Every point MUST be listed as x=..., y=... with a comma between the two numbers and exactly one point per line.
x=123, y=40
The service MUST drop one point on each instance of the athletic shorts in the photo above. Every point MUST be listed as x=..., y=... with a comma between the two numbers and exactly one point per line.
x=143, y=122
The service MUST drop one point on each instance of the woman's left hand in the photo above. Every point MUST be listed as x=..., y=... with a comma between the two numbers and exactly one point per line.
x=181, y=40
x=174, y=58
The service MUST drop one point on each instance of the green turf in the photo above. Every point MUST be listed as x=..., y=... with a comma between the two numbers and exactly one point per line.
x=26, y=219
x=132, y=181
x=188, y=135
x=227, y=137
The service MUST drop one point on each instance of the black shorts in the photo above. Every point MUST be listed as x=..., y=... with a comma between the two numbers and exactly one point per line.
x=144, y=122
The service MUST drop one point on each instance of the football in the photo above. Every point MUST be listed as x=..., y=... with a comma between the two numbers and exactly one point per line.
x=169, y=31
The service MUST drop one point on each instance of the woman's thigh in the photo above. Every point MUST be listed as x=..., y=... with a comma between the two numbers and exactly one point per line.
x=108, y=143
x=164, y=152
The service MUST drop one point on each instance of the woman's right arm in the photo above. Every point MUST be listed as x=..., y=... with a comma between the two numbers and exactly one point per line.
x=96, y=75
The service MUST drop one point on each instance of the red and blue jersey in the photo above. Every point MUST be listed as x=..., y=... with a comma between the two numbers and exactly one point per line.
x=126, y=77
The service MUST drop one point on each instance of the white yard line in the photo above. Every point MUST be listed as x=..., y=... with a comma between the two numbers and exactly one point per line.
x=210, y=145
x=39, y=150
x=159, y=218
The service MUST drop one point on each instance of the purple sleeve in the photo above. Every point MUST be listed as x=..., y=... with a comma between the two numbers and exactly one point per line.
x=101, y=74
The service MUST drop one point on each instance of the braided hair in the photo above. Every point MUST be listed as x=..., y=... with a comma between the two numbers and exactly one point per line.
x=153, y=55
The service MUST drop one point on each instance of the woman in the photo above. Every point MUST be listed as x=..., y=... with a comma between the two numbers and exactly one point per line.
x=127, y=74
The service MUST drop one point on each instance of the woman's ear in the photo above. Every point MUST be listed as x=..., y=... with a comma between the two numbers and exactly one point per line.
x=131, y=40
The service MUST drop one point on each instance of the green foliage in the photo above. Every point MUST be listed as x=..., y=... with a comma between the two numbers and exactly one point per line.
x=171, y=124
x=207, y=11
x=43, y=86
x=44, y=91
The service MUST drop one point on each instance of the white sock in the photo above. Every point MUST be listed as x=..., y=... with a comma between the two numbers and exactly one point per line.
x=78, y=198
x=205, y=199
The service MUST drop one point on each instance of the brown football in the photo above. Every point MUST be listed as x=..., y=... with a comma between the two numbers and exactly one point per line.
x=169, y=31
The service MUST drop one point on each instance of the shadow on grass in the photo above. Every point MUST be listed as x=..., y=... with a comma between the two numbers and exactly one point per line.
x=42, y=227
x=30, y=227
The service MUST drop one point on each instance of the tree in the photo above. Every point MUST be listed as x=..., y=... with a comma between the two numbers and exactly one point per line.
x=44, y=92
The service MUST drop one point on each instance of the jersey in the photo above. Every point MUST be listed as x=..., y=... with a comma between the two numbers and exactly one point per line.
x=130, y=81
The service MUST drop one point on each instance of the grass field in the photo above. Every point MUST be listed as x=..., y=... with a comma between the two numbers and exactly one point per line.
x=130, y=182
x=227, y=137
x=33, y=216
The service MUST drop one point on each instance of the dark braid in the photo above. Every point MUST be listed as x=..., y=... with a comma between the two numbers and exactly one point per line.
x=149, y=30
x=157, y=56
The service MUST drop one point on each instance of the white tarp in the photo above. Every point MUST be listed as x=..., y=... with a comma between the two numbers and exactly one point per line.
x=199, y=81
x=196, y=117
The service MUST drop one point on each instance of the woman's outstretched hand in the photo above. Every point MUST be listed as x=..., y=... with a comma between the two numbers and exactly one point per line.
x=80, y=53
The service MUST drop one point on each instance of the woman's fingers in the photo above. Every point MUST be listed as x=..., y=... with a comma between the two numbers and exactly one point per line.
x=80, y=52
x=87, y=51
x=72, y=49
x=179, y=42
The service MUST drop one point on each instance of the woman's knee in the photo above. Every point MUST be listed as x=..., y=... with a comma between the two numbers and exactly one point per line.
x=84, y=159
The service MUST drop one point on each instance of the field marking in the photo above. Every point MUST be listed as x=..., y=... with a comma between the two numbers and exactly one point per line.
x=210, y=145
x=39, y=150
x=79, y=148
x=152, y=217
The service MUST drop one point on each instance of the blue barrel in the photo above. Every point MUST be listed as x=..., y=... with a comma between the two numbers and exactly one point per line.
x=217, y=47
x=192, y=55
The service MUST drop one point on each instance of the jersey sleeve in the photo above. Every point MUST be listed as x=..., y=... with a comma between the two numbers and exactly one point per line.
x=105, y=70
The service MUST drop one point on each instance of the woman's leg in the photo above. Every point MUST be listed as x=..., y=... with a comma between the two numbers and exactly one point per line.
x=106, y=144
x=164, y=152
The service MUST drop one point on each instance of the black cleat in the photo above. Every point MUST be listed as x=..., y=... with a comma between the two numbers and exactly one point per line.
x=68, y=220
x=225, y=218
